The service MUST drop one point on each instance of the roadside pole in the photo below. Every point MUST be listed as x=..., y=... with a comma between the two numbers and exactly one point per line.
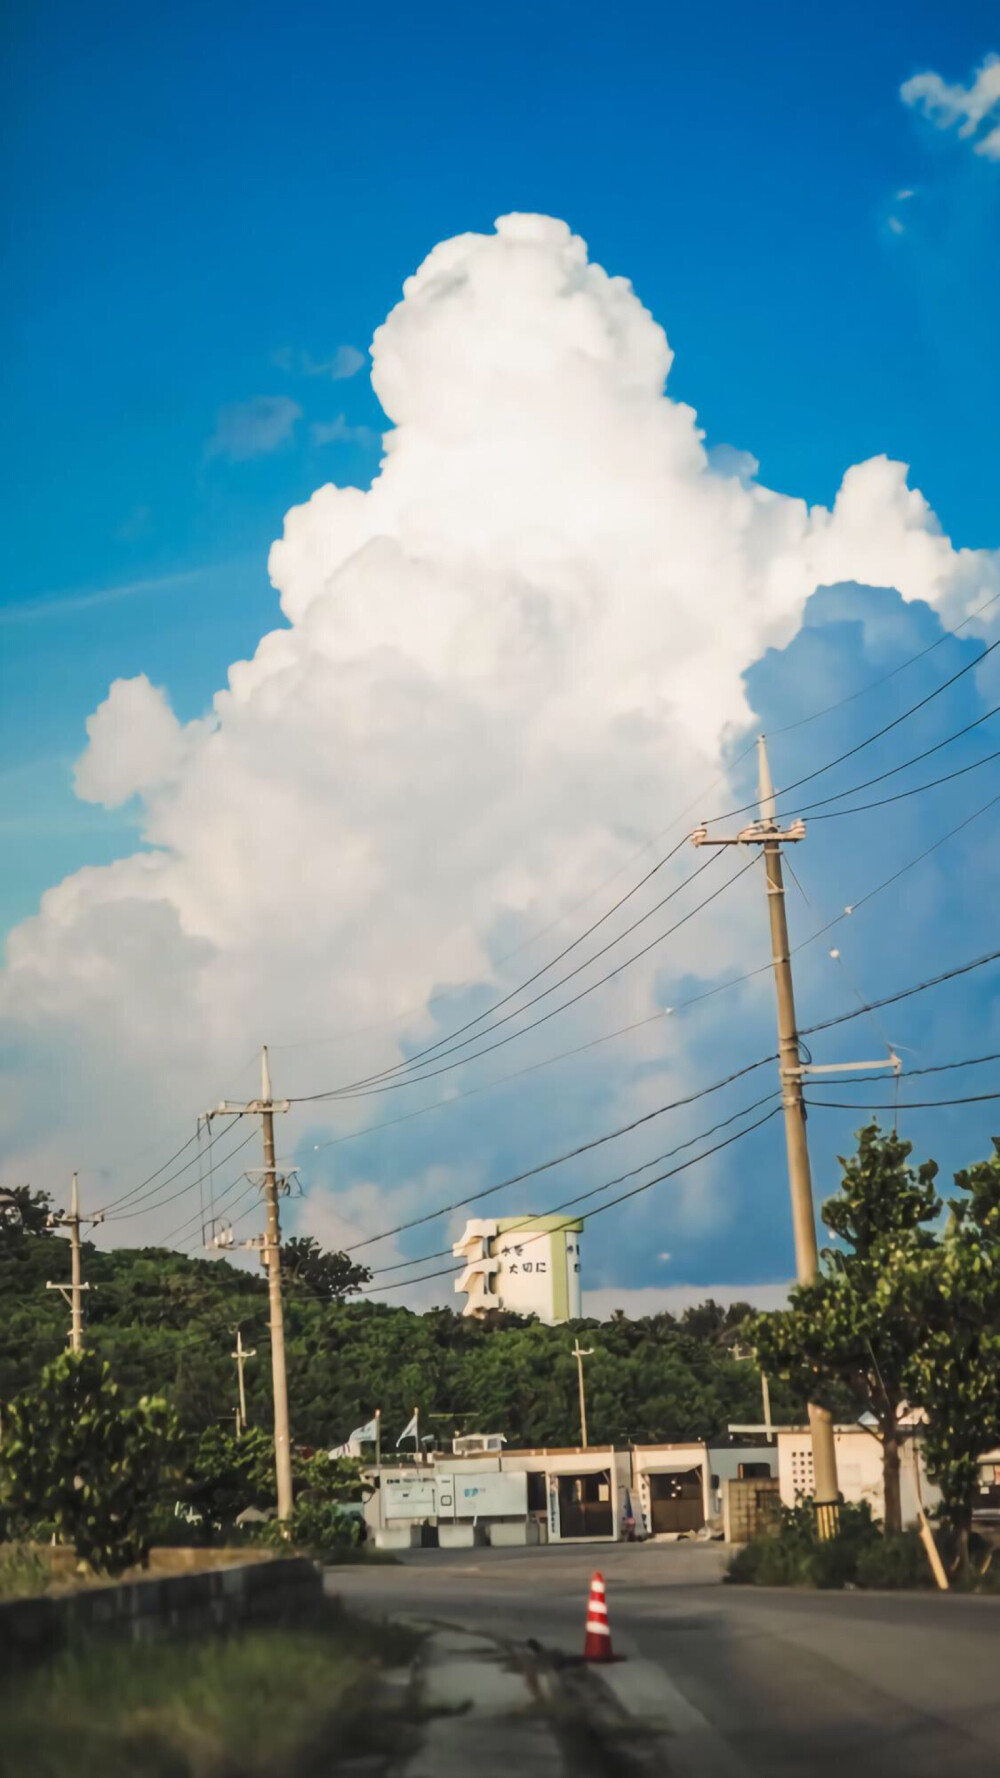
x=73, y=1293
x=767, y=834
x=580, y=1353
x=270, y=1248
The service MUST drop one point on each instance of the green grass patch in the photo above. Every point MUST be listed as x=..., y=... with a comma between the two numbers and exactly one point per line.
x=259, y=1703
x=22, y=1571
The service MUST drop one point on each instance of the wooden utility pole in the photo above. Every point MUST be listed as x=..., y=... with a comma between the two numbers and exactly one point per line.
x=241, y=1355
x=767, y=834
x=73, y=1292
x=265, y=1107
x=580, y=1353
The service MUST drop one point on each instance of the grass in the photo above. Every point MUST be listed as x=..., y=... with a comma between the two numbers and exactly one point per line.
x=22, y=1571
x=259, y=1703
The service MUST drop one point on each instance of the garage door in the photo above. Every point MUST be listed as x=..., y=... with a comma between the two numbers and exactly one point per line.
x=676, y=1502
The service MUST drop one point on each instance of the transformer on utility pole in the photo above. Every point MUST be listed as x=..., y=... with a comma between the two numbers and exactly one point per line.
x=270, y=1248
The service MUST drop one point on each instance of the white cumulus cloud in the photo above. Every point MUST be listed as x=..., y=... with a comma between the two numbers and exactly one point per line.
x=969, y=107
x=504, y=664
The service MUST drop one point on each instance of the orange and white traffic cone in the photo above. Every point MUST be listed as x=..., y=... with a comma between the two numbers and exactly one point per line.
x=597, y=1644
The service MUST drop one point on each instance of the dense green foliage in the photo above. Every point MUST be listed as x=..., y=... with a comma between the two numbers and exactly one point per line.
x=860, y=1326
x=904, y=1311
x=166, y=1324
x=790, y=1554
x=77, y=1460
x=955, y=1374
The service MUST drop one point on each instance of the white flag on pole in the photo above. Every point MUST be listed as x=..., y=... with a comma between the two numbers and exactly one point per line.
x=366, y=1434
x=409, y=1430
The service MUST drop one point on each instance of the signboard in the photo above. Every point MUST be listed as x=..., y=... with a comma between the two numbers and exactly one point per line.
x=525, y=1273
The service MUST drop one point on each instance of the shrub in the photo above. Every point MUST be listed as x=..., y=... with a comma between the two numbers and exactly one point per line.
x=77, y=1459
x=321, y=1528
x=894, y=1561
x=790, y=1554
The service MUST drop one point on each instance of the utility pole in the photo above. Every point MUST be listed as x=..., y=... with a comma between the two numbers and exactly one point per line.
x=580, y=1353
x=767, y=834
x=241, y=1355
x=73, y=1293
x=265, y=1107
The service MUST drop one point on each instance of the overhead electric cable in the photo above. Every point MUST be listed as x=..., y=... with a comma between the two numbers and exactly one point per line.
x=393, y=1085
x=934, y=981
x=571, y=1154
x=451, y=1271
x=583, y=1197
x=437, y=1050
x=859, y=746
x=151, y=1176
x=903, y=1104
x=874, y=684
x=139, y=1193
x=806, y=810
x=161, y=1203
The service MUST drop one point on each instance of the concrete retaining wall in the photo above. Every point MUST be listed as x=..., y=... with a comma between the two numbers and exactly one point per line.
x=252, y=1592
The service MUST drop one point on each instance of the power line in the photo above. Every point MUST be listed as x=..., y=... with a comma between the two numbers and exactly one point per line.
x=652, y=1018
x=390, y=1086
x=571, y=1154
x=138, y=1193
x=842, y=1018
x=574, y=907
x=934, y=981
x=149, y=1179
x=414, y=1061
x=914, y=790
x=595, y=1191
x=806, y=809
x=451, y=1271
x=859, y=746
x=903, y=1105
x=952, y=831
x=161, y=1203
x=873, y=685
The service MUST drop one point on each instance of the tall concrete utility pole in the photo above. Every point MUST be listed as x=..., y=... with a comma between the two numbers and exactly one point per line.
x=241, y=1355
x=265, y=1107
x=767, y=834
x=580, y=1353
x=73, y=1293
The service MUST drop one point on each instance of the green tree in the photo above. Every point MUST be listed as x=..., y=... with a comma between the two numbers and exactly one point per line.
x=328, y=1276
x=860, y=1326
x=23, y=1211
x=77, y=1458
x=955, y=1372
x=224, y=1474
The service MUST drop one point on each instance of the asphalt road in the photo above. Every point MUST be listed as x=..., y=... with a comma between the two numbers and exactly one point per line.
x=761, y=1681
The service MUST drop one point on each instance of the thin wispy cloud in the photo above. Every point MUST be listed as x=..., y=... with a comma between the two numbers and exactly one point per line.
x=55, y=604
x=340, y=431
x=345, y=363
x=969, y=107
x=254, y=428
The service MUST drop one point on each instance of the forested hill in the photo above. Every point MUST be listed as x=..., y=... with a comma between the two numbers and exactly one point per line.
x=167, y=1324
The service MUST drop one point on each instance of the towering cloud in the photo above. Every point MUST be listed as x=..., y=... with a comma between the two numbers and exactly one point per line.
x=503, y=666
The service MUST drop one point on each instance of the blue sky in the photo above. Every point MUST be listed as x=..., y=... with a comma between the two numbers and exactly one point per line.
x=210, y=210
